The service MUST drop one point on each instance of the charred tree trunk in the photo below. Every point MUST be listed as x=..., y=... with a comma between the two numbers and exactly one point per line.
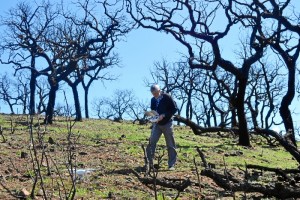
x=244, y=139
x=77, y=103
x=25, y=99
x=32, y=86
x=285, y=103
x=51, y=103
x=189, y=105
x=86, y=103
x=232, y=105
x=11, y=107
x=214, y=116
x=233, y=118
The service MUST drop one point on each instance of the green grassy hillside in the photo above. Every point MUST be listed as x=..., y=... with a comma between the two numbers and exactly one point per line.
x=112, y=150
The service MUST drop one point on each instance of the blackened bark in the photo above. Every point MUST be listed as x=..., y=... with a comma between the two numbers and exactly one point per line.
x=290, y=147
x=285, y=103
x=32, y=86
x=198, y=130
x=244, y=139
x=214, y=116
x=232, y=102
x=25, y=99
x=77, y=103
x=51, y=104
x=11, y=107
x=188, y=111
x=86, y=103
x=86, y=88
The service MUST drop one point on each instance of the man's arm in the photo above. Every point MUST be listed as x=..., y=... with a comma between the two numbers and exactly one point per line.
x=171, y=107
x=152, y=105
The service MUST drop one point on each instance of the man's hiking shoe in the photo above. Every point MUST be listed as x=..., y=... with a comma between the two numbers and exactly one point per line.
x=171, y=168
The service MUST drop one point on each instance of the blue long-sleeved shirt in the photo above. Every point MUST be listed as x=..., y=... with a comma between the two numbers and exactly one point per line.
x=164, y=104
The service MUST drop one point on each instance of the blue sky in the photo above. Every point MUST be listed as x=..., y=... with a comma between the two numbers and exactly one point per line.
x=138, y=53
x=139, y=50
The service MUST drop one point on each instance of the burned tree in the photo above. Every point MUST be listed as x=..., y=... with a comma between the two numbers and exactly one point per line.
x=103, y=111
x=95, y=75
x=23, y=91
x=64, y=42
x=266, y=88
x=137, y=111
x=90, y=44
x=218, y=88
x=7, y=92
x=190, y=22
x=120, y=103
x=285, y=41
x=278, y=29
x=26, y=25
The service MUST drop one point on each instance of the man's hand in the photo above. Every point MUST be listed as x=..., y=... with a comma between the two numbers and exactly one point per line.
x=161, y=117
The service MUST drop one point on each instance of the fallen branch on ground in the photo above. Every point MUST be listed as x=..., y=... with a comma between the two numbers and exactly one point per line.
x=270, y=140
x=229, y=182
x=178, y=184
x=282, y=172
x=288, y=145
x=198, y=130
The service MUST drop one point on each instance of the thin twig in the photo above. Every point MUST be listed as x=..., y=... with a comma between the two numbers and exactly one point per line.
x=198, y=178
x=202, y=156
x=1, y=133
x=227, y=176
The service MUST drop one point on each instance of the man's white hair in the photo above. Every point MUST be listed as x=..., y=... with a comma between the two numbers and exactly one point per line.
x=154, y=87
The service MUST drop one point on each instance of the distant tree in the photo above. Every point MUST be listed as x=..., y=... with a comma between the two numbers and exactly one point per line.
x=265, y=90
x=163, y=73
x=202, y=111
x=63, y=110
x=102, y=109
x=26, y=24
x=7, y=93
x=137, y=109
x=186, y=83
x=120, y=103
x=217, y=87
x=22, y=90
x=14, y=91
x=42, y=93
x=115, y=107
x=95, y=75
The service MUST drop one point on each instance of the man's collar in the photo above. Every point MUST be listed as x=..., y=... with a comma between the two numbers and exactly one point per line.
x=159, y=96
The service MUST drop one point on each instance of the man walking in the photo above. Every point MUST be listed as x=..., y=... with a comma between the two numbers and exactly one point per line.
x=165, y=106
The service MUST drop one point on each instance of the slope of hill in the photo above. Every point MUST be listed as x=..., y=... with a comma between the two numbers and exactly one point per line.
x=112, y=156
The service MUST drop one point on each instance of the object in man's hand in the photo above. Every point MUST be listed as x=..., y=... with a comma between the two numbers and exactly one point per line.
x=154, y=119
x=153, y=116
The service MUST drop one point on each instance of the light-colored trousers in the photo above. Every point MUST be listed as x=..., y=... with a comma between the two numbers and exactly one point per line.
x=157, y=131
